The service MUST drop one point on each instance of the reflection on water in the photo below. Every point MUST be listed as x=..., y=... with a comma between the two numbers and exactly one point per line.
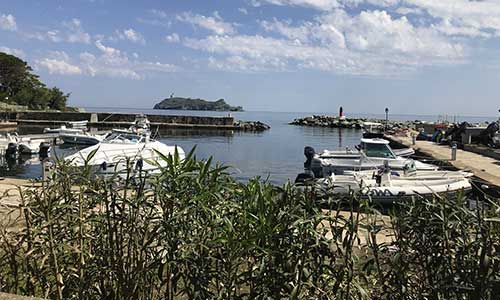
x=191, y=132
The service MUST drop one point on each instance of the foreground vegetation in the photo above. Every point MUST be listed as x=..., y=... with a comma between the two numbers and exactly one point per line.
x=193, y=232
x=20, y=86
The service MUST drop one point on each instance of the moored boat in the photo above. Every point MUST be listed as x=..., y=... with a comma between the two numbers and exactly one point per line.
x=70, y=127
x=121, y=147
x=387, y=188
x=372, y=154
x=373, y=130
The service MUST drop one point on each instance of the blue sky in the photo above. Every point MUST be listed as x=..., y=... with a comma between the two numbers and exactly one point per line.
x=413, y=56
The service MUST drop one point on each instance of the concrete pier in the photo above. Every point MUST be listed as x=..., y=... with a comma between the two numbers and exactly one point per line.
x=485, y=168
x=41, y=119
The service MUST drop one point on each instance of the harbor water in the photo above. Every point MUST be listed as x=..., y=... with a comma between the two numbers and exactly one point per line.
x=275, y=155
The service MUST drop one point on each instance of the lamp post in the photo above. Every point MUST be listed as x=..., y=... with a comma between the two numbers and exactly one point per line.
x=386, y=117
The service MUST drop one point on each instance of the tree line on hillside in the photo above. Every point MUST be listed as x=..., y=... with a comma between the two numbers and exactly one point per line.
x=20, y=86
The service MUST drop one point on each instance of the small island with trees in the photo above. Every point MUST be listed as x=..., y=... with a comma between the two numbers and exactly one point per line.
x=21, y=89
x=180, y=103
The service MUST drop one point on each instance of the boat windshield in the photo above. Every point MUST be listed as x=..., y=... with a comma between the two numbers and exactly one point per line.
x=124, y=138
x=378, y=150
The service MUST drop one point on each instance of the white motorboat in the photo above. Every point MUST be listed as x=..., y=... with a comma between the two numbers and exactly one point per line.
x=387, y=188
x=415, y=175
x=72, y=127
x=83, y=138
x=372, y=154
x=113, y=153
x=123, y=146
x=349, y=153
x=26, y=145
x=373, y=130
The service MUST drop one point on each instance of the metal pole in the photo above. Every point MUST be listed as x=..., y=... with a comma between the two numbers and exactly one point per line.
x=386, y=117
x=454, y=151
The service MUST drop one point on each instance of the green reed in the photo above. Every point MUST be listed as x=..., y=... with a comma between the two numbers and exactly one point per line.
x=193, y=232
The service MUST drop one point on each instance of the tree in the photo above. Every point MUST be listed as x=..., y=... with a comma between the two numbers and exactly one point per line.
x=57, y=99
x=18, y=85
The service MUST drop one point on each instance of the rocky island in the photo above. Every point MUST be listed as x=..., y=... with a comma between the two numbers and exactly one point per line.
x=180, y=103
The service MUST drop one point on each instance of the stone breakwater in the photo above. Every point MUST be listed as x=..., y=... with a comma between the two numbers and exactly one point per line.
x=251, y=125
x=357, y=123
x=328, y=121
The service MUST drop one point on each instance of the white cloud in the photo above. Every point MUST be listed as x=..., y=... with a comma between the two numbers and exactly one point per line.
x=243, y=10
x=214, y=24
x=156, y=17
x=242, y=64
x=458, y=17
x=301, y=33
x=473, y=18
x=372, y=42
x=378, y=31
x=8, y=22
x=317, y=4
x=173, y=38
x=159, y=13
x=69, y=31
x=109, y=62
x=13, y=51
x=409, y=11
x=131, y=35
x=58, y=63
x=109, y=51
x=75, y=32
x=53, y=36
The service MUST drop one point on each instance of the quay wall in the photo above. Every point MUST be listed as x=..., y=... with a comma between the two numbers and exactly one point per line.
x=115, y=117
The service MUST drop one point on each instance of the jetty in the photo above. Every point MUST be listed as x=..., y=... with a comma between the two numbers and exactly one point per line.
x=104, y=120
x=483, y=167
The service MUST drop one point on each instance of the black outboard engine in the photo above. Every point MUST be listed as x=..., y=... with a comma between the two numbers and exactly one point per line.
x=309, y=154
x=308, y=174
x=489, y=133
x=11, y=150
x=44, y=150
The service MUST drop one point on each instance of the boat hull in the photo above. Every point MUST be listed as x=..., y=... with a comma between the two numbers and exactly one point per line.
x=393, y=189
x=110, y=159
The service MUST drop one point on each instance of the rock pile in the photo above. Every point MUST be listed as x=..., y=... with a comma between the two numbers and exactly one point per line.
x=251, y=125
x=329, y=121
x=342, y=122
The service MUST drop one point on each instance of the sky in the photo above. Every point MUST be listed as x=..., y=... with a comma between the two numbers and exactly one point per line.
x=412, y=56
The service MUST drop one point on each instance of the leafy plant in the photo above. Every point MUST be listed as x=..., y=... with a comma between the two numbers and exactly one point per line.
x=190, y=231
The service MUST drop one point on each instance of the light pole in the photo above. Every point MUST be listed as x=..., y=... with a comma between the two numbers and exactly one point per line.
x=386, y=117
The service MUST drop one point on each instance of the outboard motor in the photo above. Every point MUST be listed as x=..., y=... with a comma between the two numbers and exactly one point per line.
x=309, y=154
x=104, y=166
x=44, y=150
x=308, y=174
x=11, y=150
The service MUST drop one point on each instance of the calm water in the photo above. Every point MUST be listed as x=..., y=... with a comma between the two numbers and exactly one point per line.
x=276, y=154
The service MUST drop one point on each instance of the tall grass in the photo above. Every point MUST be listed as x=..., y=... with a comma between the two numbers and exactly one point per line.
x=193, y=232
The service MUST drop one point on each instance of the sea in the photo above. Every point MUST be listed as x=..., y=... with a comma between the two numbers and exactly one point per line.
x=275, y=155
